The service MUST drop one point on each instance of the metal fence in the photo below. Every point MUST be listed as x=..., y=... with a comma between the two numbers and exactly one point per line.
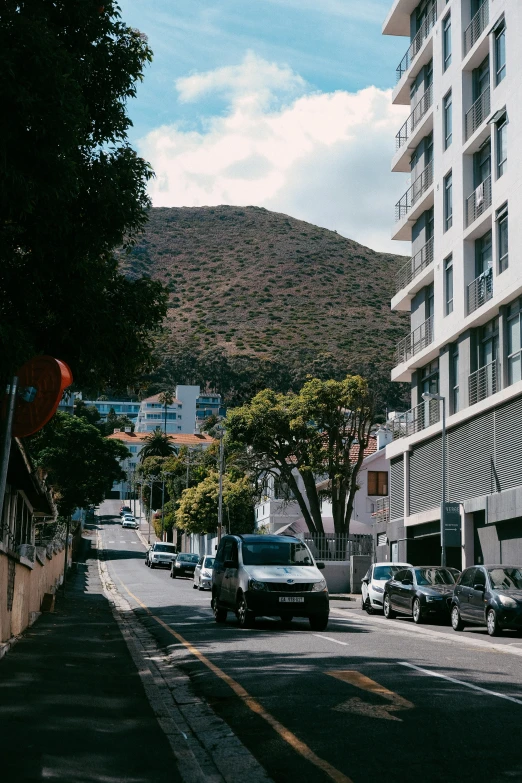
x=421, y=108
x=414, y=342
x=480, y=290
x=478, y=113
x=420, y=261
x=414, y=192
x=417, y=42
x=484, y=382
x=331, y=547
x=478, y=201
x=416, y=419
x=476, y=27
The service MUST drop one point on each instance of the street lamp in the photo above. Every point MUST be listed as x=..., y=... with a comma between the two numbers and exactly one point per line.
x=220, y=432
x=439, y=397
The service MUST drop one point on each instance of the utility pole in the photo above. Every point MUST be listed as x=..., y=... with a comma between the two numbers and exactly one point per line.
x=221, y=433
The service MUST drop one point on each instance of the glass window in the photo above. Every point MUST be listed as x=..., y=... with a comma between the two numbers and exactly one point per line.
x=448, y=120
x=479, y=578
x=505, y=578
x=448, y=201
x=514, y=339
x=377, y=482
x=488, y=344
x=434, y=576
x=448, y=285
x=502, y=238
x=381, y=573
x=276, y=553
x=483, y=254
x=455, y=378
x=501, y=145
x=500, y=53
x=446, y=42
x=467, y=577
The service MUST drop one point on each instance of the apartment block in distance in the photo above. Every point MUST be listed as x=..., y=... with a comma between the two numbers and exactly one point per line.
x=461, y=146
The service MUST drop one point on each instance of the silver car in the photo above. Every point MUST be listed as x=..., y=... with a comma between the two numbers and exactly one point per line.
x=203, y=573
x=260, y=575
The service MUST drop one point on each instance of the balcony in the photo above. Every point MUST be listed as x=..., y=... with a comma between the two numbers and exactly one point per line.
x=476, y=27
x=416, y=419
x=417, y=42
x=421, y=107
x=480, y=290
x=478, y=202
x=484, y=382
x=414, y=342
x=414, y=266
x=381, y=511
x=414, y=192
x=477, y=114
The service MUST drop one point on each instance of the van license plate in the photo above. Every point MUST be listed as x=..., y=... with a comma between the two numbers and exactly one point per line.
x=291, y=599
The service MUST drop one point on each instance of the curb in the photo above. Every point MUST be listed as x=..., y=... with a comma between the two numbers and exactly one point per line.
x=202, y=743
x=6, y=646
x=342, y=597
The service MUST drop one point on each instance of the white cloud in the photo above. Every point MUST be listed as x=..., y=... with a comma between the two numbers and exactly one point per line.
x=321, y=157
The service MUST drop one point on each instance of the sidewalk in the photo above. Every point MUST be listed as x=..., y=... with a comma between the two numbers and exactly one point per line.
x=73, y=707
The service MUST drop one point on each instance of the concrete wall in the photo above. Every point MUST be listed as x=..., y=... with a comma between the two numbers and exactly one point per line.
x=32, y=580
x=337, y=575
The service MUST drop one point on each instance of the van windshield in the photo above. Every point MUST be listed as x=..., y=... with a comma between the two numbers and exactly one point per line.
x=165, y=548
x=276, y=553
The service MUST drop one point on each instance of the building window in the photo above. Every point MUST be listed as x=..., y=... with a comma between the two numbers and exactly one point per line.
x=501, y=145
x=430, y=378
x=488, y=343
x=448, y=120
x=377, y=482
x=502, y=238
x=448, y=201
x=133, y=449
x=514, y=347
x=500, y=52
x=455, y=379
x=446, y=42
x=448, y=285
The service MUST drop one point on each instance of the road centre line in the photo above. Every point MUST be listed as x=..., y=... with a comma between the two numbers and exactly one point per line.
x=460, y=682
x=329, y=638
x=285, y=734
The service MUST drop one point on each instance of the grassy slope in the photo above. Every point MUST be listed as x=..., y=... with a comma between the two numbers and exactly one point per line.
x=262, y=284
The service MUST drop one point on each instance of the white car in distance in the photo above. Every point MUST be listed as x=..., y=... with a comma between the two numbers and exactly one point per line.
x=129, y=521
x=372, y=587
x=203, y=573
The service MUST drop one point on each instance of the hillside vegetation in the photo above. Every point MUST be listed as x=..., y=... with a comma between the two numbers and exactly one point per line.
x=259, y=298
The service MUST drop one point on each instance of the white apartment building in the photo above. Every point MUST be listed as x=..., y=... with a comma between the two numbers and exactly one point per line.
x=461, y=78
x=180, y=416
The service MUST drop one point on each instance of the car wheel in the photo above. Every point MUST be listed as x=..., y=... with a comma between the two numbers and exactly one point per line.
x=368, y=606
x=245, y=618
x=220, y=615
x=456, y=619
x=318, y=622
x=199, y=586
x=194, y=586
x=287, y=618
x=173, y=574
x=416, y=611
x=388, y=611
x=152, y=565
x=492, y=623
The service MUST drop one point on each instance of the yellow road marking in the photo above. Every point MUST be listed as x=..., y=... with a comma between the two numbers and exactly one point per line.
x=286, y=735
x=359, y=707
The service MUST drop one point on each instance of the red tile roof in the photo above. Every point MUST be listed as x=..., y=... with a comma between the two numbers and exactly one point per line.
x=177, y=439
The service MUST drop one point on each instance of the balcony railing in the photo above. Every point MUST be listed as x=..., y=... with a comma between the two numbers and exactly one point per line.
x=476, y=27
x=478, y=113
x=484, y=382
x=414, y=266
x=421, y=107
x=478, y=202
x=416, y=419
x=480, y=290
x=414, y=192
x=381, y=512
x=414, y=342
x=417, y=42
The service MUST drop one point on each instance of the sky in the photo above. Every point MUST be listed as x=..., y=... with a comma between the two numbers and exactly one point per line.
x=282, y=104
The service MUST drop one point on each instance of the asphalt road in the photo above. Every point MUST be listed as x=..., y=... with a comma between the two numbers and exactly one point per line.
x=368, y=700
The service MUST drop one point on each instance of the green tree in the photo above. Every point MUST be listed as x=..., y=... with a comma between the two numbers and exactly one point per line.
x=115, y=422
x=157, y=444
x=81, y=464
x=198, y=507
x=166, y=398
x=322, y=432
x=87, y=412
x=72, y=190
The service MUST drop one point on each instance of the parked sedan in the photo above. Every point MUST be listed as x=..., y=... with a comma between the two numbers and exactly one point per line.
x=419, y=592
x=129, y=521
x=489, y=595
x=203, y=573
x=372, y=587
x=184, y=565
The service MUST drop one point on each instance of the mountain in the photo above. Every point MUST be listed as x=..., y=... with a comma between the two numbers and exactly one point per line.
x=259, y=298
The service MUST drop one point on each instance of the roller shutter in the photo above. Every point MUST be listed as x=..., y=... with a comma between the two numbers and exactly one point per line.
x=508, y=445
x=470, y=458
x=426, y=476
x=397, y=488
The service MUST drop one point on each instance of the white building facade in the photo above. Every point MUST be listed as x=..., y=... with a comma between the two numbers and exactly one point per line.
x=460, y=77
x=178, y=417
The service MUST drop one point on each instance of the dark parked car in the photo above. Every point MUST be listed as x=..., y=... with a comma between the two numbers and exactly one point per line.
x=489, y=595
x=419, y=592
x=184, y=565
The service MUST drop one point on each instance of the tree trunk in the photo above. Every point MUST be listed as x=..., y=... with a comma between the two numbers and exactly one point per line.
x=308, y=518
x=313, y=499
